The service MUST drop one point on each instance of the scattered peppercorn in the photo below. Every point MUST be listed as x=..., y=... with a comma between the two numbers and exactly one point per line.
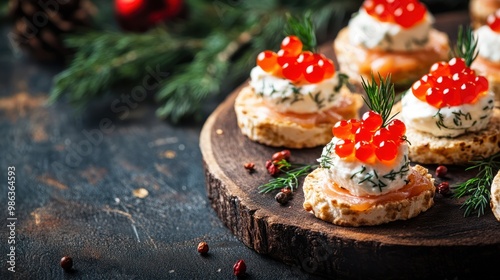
x=285, y=154
x=66, y=263
x=202, y=248
x=287, y=191
x=273, y=170
x=250, y=166
x=443, y=188
x=239, y=268
x=282, y=198
x=441, y=171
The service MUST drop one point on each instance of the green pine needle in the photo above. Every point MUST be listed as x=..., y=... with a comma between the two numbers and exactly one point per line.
x=215, y=47
x=466, y=47
x=381, y=97
x=478, y=188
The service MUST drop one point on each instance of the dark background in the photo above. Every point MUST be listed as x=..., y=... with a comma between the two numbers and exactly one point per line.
x=75, y=186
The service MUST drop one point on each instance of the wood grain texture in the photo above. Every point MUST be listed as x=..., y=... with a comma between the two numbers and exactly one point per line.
x=439, y=243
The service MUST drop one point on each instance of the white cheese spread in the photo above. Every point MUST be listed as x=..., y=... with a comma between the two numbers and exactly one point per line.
x=284, y=96
x=363, y=179
x=367, y=31
x=488, y=42
x=447, y=121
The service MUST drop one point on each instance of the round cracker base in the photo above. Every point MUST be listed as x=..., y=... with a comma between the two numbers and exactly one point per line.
x=283, y=133
x=339, y=213
x=426, y=148
x=495, y=196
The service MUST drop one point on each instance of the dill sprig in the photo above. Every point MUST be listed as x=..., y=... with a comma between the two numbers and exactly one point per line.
x=290, y=177
x=466, y=47
x=381, y=96
x=304, y=29
x=478, y=188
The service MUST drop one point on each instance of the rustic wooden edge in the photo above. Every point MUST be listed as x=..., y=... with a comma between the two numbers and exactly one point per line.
x=329, y=250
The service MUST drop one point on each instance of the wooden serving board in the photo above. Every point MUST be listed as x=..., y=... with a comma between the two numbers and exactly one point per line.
x=439, y=243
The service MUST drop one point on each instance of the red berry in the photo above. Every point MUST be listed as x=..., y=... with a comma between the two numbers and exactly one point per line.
x=443, y=188
x=441, y=171
x=494, y=21
x=285, y=57
x=456, y=64
x=239, y=268
x=268, y=61
x=314, y=73
x=434, y=96
x=202, y=248
x=291, y=71
x=344, y=148
x=342, y=129
x=364, y=151
x=386, y=150
x=371, y=120
x=292, y=44
x=285, y=154
x=363, y=134
x=273, y=170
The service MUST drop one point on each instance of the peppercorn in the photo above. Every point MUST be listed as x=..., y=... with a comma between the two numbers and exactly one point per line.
x=66, y=263
x=443, y=188
x=441, y=171
x=239, y=268
x=250, y=166
x=282, y=198
x=285, y=154
x=202, y=248
x=273, y=170
x=287, y=191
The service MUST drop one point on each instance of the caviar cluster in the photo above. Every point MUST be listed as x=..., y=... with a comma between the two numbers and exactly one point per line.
x=494, y=21
x=368, y=139
x=298, y=66
x=405, y=12
x=450, y=84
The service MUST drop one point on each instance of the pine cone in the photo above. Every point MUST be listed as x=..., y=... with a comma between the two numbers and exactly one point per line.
x=40, y=25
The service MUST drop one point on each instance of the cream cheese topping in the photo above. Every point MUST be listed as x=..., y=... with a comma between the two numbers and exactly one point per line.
x=488, y=42
x=447, y=121
x=363, y=179
x=370, y=33
x=283, y=96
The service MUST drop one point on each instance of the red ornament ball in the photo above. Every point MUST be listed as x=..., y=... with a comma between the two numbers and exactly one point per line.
x=141, y=15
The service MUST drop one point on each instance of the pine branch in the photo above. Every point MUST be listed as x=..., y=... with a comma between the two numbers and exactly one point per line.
x=380, y=96
x=215, y=46
x=466, y=47
x=105, y=58
x=478, y=188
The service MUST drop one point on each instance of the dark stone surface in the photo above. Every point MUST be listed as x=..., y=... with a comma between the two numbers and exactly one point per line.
x=75, y=185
